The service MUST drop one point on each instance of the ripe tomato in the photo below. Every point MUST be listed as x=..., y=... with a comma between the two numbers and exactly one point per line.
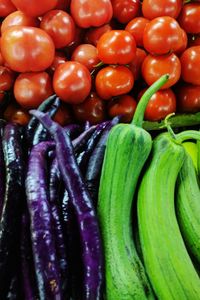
x=92, y=109
x=136, y=28
x=87, y=55
x=190, y=62
x=62, y=4
x=72, y=82
x=88, y=13
x=124, y=105
x=162, y=35
x=92, y=35
x=7, y=78
x=30, y=89
x=113, y=81
x=27, y=49
x=156, y=8
x=63, y=115
x=136, y=63
x=183, y=46
x=16, y=114
x=18, y=18
x=188, y=98
x=116, y=47
x=59, y=58
x=162, y=103
x=153, y=67
x=60, y=26
x=125, y=10
x=35, y=8
x=189, y=18
x=6, y=7
x=78, y=39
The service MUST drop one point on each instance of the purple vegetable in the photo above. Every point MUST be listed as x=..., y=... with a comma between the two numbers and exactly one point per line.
x=73, y=130
x=2, y=170
x=85, y=213
x=43, y=245
x=14, y=292
x=81, y=141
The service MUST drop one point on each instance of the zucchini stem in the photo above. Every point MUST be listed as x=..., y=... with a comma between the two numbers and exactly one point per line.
x=188, y=135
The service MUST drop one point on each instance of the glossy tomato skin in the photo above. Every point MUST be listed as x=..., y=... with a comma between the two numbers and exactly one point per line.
x=184, y=43
x=72, y=82
x=124, y=106
x=153, y=67
x=162, y=103
x=189, y=17
x=34, y=8
x=113, y=81
x=125, y=10
x=92, y=35
x=136, y=64
x=35, y=49
x=6, y=8
x=90, y=13
x=7, y=78
x=136, y=28
x=16, y=114
x=92, y=110
x=190, y=62
x=158, y=8
x=31, y=89
x=60, y=26
x=188, y=98
x=87, y=55
x=116, y=47
x=162, y=35
x=59, y=58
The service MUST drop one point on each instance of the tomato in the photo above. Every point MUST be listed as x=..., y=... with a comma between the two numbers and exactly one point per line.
x=63, y=115
x=162, y=35
x=193, y=40
x=88, y=13
x=72, y=82
x=15, y=114
x=190, y=62
x=153, y=67
x=136, y=28
x=162, y=103
x=27, y=49
x=124, y=105
x=183, y=46
x=18, y=18
x=113, y=81
x=62, y=4
x=189, y=18
x=78, y=39
x=136, y=63
x=92, y=109
x=87, y=55
x=6, y=7
x=92, y=35
x=30, y=89
x=35, y=8
x=7, y=78
x=60, y=26
x=188, y=98
x=59, y=58
x=125, y=10
x=158, y=8
x=116, y=47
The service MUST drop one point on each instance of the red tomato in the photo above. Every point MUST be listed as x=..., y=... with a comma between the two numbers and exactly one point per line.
x=88, y=13
x=136, y=63
x=162, y=103
x=193, y=40
x=6, y=7
x=30, y=89
x=92, y=109
x=15, y=114
x=35, y=8
x=63, y=115
x=158, y=8
x=59, y=58
x=72, y=82
x=27, y=49
x=87, y=55
x=153, y=67
x=125, y=10
x=62, y=4
x=18, y=18
x=190, y=62
x=189, y=18
x=113, y=81
x=162, y=35
x=92, y=35
x=60, y=26
x=78, y=39
x=116, y=47
x=188, y=98
x=7, y=78
x=136, y=28
x=124, y=105
x=183, y=46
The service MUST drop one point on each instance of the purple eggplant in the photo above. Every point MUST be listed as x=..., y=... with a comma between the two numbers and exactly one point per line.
x=2, y=170
x=73, y=130
x=84, y=210
x=80, y=142
x=43, y=245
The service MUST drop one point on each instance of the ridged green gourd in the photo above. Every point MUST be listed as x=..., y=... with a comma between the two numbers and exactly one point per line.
x=127, y=150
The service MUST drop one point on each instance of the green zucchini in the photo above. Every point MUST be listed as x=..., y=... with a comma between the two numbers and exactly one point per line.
x=167, y=262
x=127, y=150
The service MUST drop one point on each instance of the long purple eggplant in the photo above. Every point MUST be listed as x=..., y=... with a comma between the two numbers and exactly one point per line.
x=12, y=206
x=2, y=169
x=85, y=213
x=79, y=143
x=73, y=130
x=43, y=245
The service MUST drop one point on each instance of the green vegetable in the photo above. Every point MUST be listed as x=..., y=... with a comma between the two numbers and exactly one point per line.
x=191, y=148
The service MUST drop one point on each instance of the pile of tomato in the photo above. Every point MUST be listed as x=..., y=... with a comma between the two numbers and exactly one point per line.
x=98, y=56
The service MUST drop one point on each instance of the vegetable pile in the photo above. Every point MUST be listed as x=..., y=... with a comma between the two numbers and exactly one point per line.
x=98, y=57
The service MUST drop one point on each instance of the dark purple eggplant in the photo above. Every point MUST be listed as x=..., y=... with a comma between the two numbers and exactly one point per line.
x=87, y=125
x=85, y=213
x=80, y=142
x=93, y=169
x=43, y=245
x=12, y=206
x=2, y=169
x=14, y=292
x=73, y=130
